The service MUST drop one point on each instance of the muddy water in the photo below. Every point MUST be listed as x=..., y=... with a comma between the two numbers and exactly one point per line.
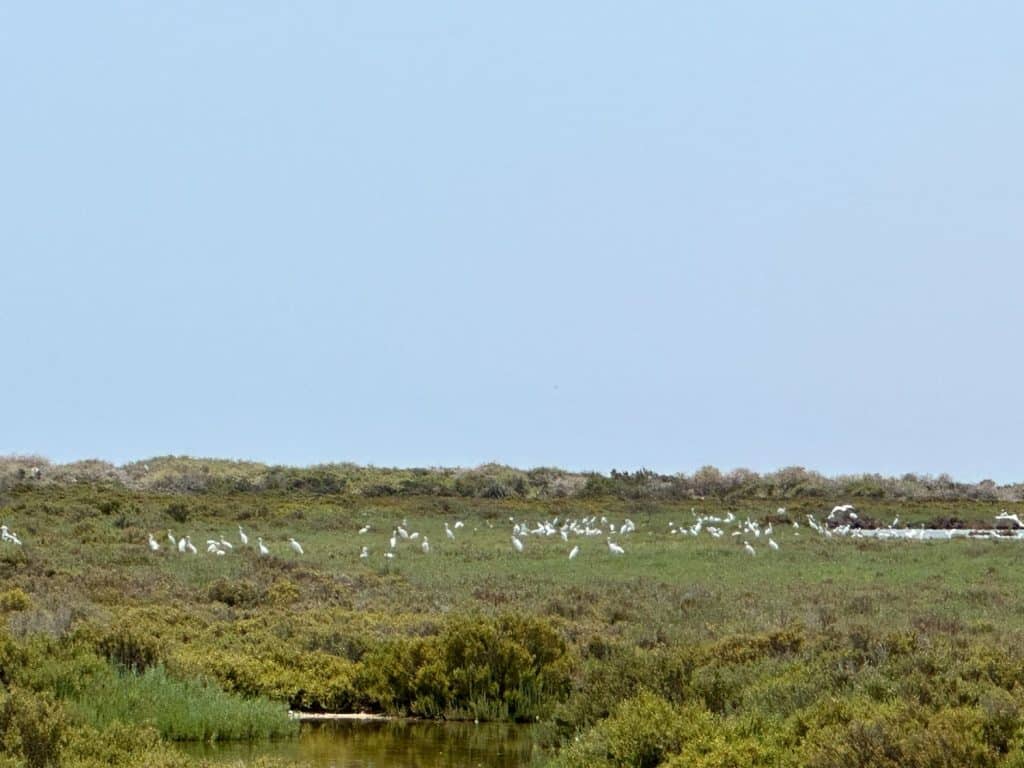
x=388, y=745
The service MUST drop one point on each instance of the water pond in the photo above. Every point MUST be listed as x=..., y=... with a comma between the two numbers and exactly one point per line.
x=394, y=744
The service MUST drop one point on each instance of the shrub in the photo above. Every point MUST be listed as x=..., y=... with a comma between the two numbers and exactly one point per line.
x=238, y=593
x=643, y=731
x=178, y=511
x=14, y=600
x=131, y=648
x=32, y=726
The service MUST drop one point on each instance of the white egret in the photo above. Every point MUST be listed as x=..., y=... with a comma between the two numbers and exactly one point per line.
x=425, y=546
x=458, y=524
x=574, y=551
x=773, y=545
x=154, y=546
x=225, y=544
x=449, y=532
x=364, y=553
x=182, y=545
x=191, y=546
x=614, y=548
x=364, y=529
x=242, y=537
x=749, y=549
x=295, y=546
x=9, y=536
x=170, y=538
x=517, y=544
x=262, y=547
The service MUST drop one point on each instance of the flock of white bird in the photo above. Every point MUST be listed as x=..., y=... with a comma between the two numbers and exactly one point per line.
x=219, y=546
x=841, y=521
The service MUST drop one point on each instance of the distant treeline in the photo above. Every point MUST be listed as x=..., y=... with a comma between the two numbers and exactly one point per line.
x=182, y=474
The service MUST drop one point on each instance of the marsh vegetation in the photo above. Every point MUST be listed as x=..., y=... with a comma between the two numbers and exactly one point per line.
x=685, y=650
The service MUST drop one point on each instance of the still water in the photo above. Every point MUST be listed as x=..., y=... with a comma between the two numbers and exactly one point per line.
x=347, y=744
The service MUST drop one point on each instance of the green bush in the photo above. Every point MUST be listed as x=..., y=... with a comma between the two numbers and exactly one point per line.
x=14, y=600
x=643, y=731
x=130, y=647
x=32, y=727
x=238, y=593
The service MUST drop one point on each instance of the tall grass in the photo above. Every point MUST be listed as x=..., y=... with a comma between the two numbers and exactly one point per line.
x=181, y=710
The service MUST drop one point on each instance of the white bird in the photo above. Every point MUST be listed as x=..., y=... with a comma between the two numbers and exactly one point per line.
x=425, y=546
x=295, y=546
x=749, y=549
x=402, y=532
x=242, y=537
x=182, y=545
x=263, y=547
x=574, y=551
x=364, y=529
x=154, y=546
x=773, y=545
x=449, y=532
x=9, y=535
x=190, y=545
x=458, y=524
x=517, y=544
x=364, y=553
x=393, y=541
x=614, y=548
x=170, y=538
x=225, y=544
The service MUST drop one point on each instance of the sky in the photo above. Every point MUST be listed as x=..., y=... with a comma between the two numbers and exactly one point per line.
x=592, y=235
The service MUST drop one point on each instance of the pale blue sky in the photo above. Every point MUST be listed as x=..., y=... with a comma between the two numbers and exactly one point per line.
x=585, y=234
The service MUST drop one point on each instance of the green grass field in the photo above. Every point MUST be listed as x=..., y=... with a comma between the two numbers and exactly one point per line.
x=826, y=652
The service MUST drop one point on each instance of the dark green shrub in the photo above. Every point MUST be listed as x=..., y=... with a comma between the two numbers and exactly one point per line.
x=131, y=648
x=238, y=593
x=178, y=511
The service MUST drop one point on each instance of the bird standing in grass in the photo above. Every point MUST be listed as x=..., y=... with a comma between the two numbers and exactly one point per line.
x=425, y=546
x=749, y=549
x=517, y=544
x=574, y=551
x=773, y=544
x=242, y=537
x=449, y=532
x=154, y=545
x=296, y=546
x=364, y=553
x=262, y=547
x=614, y=548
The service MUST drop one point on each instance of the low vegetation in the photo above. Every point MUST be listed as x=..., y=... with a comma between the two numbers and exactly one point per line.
x=683, y=651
